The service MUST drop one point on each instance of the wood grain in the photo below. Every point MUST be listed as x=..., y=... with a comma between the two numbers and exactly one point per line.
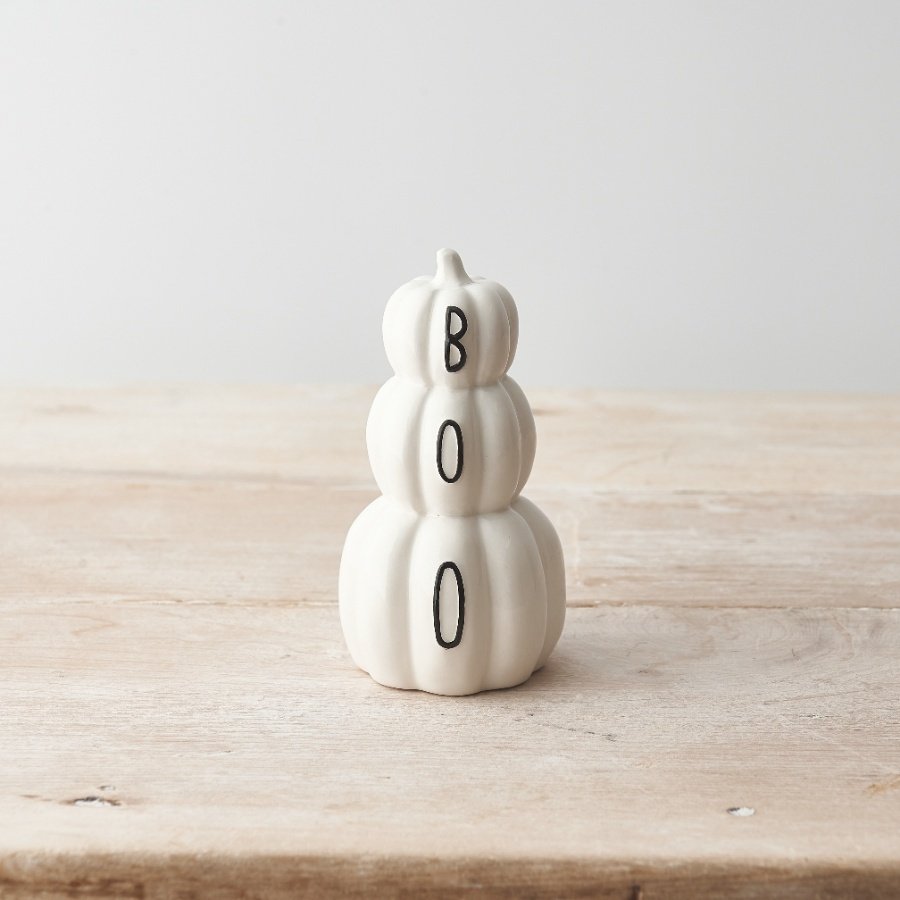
x=97, y=536
x=178, y=716
x=586, y=439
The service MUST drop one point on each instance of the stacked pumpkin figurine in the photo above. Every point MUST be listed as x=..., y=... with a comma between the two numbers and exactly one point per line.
x=451, y=582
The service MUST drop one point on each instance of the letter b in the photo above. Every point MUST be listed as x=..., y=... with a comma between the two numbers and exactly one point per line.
x=454, y=338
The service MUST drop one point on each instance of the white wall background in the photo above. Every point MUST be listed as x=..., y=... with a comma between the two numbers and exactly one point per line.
x=679, y=194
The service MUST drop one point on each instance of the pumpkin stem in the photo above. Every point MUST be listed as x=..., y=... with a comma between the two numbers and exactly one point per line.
x=450, y=268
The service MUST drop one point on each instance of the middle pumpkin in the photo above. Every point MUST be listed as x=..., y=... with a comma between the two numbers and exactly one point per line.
x=451, y=452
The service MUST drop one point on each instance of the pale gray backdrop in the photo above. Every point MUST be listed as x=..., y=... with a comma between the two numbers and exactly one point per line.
x=679, y=195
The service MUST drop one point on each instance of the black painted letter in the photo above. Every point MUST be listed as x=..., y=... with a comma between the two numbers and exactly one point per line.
x=449, y=423
x=454, y=338
x=436, y=605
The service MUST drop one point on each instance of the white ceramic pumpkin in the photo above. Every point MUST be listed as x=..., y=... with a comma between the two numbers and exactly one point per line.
x=450, y=452
x=477, y=314
x=451, y=582
x=507, y=617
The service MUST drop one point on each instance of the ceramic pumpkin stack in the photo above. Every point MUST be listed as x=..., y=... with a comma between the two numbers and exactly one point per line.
x=451, y=582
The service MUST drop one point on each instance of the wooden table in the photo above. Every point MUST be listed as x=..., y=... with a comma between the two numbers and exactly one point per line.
x=178, y=715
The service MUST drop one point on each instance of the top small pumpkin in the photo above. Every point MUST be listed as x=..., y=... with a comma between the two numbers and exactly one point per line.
x=451, y=330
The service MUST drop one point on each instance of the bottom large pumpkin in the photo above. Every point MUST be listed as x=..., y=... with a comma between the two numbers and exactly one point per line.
x=451, y=604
